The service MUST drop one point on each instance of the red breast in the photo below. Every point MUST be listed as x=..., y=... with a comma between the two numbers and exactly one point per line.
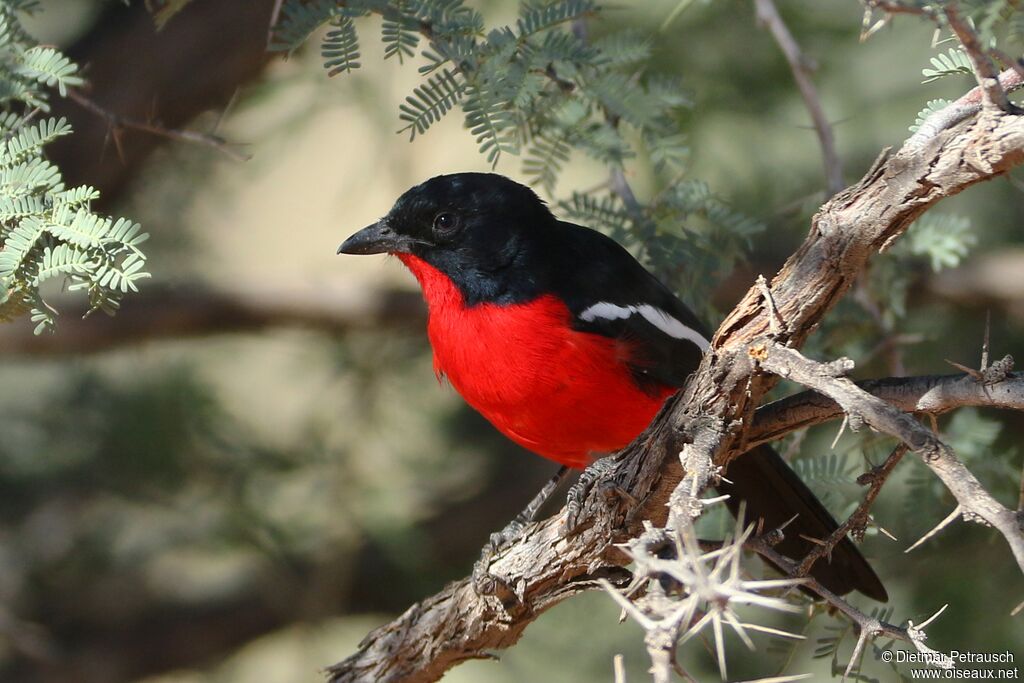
x=563, y=394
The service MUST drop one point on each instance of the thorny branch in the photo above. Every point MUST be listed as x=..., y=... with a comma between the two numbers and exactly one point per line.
x=685, y=589
x=168, y=312
x=830, y=379
x=935, y=395
x=867, y=626
x=857, y=522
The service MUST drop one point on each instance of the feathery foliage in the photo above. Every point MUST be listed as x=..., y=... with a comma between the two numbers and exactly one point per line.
x=955, y=61
x=47, y=231
x=541, y=88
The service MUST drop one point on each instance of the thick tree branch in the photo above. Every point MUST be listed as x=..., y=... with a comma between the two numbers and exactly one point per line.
x=962, y=109
x=547, y=565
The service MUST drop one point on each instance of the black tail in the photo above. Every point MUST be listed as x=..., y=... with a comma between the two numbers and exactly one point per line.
x=773, y=492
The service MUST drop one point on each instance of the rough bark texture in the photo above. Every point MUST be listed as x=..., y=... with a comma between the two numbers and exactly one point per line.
x=710, y=416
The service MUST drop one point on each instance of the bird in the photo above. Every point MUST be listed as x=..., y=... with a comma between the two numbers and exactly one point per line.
x=565, y=343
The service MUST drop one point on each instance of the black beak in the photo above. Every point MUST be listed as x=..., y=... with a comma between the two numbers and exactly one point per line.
x=378, y=238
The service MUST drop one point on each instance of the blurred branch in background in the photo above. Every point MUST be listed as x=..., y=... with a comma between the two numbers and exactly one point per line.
x=169, y=313
x=118, y=124
x=992, y=281
x=802, y=67
x=166, y=77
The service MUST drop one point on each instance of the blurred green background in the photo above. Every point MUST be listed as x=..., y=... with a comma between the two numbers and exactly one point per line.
x=253, y=465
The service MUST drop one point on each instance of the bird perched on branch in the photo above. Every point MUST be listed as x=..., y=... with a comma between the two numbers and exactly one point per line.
x=568, y=346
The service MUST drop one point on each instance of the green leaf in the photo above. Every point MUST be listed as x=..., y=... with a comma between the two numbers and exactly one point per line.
x=624, y=49
x=668, y=151
x=63, y=259
x=563, y=52
x=83, y=228
x=46, y=230
x=945, y=239
x=340, y=48
x=540, y=16
x=493, y=124
x=124, y=276
x=13, y=209
x=400, y=35
x=126, y=233
x=18, y=243
x=45, y=317
x=50, y=67
x=604, y=212
x=299, y=19
x=827, y=475
x=544, y=161
x=624, y=97
x=34, y=175
x=953, y=62
x=429, y=102
x=29, y=141
x=970, y=434
x=82, y=195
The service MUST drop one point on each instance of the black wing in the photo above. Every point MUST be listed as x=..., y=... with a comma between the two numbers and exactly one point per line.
x=611, y=294
x=666, y=352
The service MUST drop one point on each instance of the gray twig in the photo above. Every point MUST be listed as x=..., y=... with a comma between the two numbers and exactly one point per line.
x=977, y=503
x=117, y=123
x=769, y=16
x=984, y=70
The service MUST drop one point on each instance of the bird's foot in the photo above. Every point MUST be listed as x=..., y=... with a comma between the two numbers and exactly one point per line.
x=484, y=582
x=577, y=495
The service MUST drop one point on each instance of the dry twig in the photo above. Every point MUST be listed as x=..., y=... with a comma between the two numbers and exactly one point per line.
x=768, y=16
x=118, y=123
x=857, y=522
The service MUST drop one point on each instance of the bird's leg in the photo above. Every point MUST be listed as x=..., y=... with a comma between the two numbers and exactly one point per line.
x=578, y=492
x=483, y=580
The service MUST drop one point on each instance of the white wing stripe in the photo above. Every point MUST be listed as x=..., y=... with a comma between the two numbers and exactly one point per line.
x=655, y=316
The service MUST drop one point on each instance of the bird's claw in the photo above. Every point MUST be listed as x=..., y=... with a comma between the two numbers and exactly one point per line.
x=484, y=582
x=579, y=491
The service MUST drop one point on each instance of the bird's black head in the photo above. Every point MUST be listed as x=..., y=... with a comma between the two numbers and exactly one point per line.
x=482, y=230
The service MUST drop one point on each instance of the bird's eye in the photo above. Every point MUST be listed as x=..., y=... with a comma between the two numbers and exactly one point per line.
x=446, y=223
